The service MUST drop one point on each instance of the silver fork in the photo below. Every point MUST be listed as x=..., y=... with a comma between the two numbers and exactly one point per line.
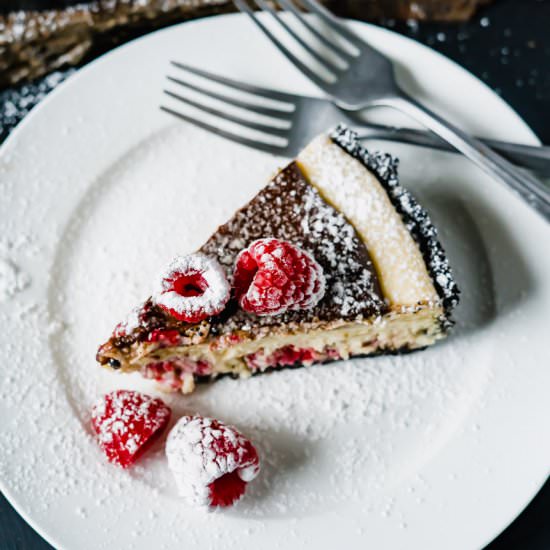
x=304, y=117
x=365, y=78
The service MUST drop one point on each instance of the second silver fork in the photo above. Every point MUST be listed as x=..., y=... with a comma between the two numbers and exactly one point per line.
x=357, y=76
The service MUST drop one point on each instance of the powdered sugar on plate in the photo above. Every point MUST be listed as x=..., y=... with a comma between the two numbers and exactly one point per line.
x=12, y=280
x=380, y=448
x=327, y=434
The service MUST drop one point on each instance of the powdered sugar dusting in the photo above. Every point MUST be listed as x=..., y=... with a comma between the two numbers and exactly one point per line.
x=415, y=217
x=290, y=209
x=12, y=280
x=130, y=323
x=332, y=438
x=354, y=190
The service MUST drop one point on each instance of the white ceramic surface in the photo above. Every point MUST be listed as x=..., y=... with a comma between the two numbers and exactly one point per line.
x=438, y=449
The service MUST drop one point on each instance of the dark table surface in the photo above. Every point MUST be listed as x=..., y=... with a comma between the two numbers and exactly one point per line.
x=507, y=46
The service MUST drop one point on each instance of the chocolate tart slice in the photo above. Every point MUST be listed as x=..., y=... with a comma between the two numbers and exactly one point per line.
x=388, y=285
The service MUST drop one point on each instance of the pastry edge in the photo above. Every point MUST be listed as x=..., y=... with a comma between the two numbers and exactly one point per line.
x=400, y=329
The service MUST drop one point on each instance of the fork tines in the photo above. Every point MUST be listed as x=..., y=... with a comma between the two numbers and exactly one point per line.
x=247, y=114
x=335, y=52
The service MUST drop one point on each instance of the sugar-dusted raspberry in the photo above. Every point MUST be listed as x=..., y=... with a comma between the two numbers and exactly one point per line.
x=126, y=423
x=212, y=462
x=193, y=288
x=273, y=276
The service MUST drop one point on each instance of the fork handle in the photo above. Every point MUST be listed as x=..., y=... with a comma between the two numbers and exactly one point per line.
x=532, y=157
x=532, y=190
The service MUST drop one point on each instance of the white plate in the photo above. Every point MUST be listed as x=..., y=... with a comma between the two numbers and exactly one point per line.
x=439, y=449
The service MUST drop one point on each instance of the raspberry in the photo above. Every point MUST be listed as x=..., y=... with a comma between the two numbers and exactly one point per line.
x=227, y=489
x=212, y=462
x=127, y=422
x=164, y=337
x=193, y=288
x=286, y=356
x=176, y=374
x=273, y=276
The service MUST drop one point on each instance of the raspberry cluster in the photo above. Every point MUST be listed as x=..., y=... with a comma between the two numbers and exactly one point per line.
x=270, y=277
x=212, y=462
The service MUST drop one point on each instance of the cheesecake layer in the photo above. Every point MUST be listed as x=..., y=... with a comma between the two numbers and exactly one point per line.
x=176, y=367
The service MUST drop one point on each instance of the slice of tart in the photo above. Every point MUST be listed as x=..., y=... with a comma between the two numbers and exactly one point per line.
x=332, y=259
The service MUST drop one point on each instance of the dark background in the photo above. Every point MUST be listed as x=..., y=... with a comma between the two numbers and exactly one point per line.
x=507, y=45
